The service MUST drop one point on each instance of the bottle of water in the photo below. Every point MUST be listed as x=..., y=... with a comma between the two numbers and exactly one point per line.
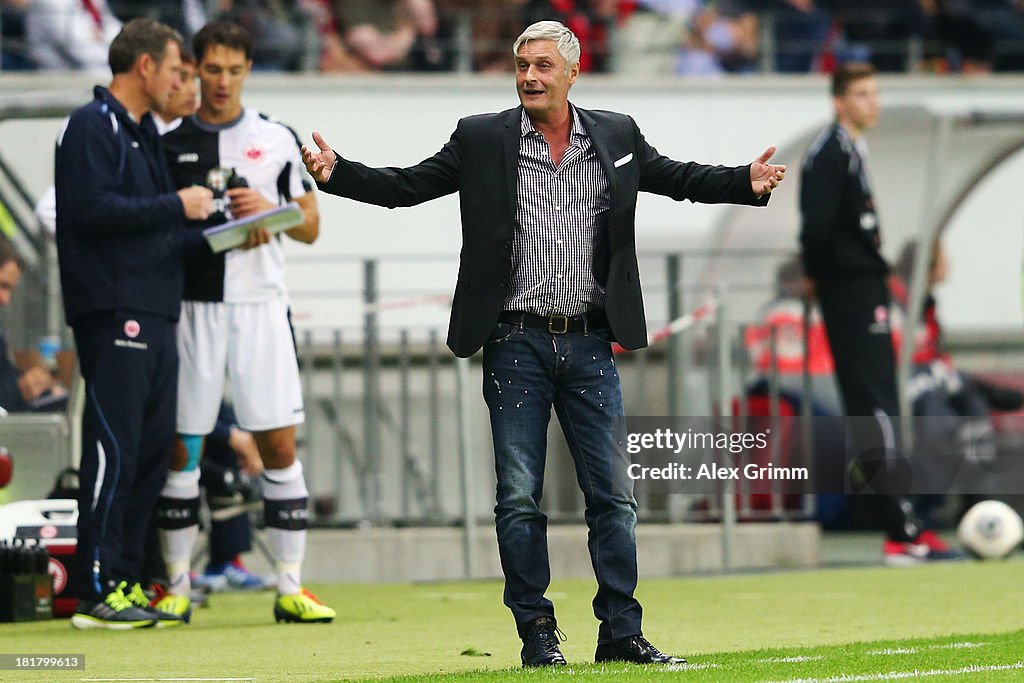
x=49, y=345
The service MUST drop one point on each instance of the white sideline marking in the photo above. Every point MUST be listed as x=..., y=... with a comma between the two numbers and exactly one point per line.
x=901, y=675
x=166, y=679
x=914, y=650
x=958, y=646
x=792, y=660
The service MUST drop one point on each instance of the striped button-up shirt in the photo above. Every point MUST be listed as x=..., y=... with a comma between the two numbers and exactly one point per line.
x=560, y=214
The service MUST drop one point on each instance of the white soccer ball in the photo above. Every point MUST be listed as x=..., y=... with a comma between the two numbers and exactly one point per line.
x=991, y=529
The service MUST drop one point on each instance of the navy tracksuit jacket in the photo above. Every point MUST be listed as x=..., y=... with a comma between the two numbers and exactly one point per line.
x=119, y=241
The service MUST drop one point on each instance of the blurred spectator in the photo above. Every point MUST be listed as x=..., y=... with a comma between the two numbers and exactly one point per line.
x=26, y=390
x=71, y=34
x=783, y=317
x=801, y=27
x=1005, y=19
x=494, y=25
x=647, y=41
x=726, y=32
x=878, y=31
x=965, y=44
x=686, y=37
x=278, y=27
x=933, y=366
x=371, y=35
x=184, y=16
x=957, y=436
x=14, y=56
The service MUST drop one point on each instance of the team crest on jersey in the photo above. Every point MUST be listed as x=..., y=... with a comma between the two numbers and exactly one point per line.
x=132, y=329
x=253, y=153
x=217, y=179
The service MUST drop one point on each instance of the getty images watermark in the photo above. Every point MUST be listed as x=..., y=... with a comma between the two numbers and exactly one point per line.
x=794, y=455
x=691, y=441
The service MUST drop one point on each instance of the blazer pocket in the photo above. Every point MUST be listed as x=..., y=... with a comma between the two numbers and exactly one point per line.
x=624, y=160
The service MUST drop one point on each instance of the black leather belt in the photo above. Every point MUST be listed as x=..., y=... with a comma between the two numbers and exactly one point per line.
x=555, y=323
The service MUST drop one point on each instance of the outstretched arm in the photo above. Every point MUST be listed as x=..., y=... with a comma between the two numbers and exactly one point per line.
x=745, y=185
x=434, y=177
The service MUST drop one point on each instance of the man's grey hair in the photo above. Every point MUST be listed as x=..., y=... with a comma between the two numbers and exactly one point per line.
x=567, y=42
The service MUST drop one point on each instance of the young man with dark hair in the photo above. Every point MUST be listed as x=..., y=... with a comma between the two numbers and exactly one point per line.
x=235, y=318
x=841, y=240
x=119, y=227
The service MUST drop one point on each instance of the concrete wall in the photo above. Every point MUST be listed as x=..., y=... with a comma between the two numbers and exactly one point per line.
x=400, y=555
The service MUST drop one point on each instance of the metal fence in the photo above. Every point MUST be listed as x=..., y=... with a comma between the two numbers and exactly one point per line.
x=383, y=435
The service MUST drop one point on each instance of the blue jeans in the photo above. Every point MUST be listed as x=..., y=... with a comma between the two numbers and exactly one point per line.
x=526, y=371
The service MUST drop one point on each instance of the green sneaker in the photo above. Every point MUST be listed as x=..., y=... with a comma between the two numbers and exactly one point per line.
x=302, y=608
x=115, y=612
x=164, y=618
x=179, y=606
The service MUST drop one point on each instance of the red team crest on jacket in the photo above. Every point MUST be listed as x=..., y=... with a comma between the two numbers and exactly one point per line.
x=253, y=153
x=132, y=329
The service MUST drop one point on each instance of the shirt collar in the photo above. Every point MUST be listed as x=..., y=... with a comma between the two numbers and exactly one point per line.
x=114, y=105
x=526, y=125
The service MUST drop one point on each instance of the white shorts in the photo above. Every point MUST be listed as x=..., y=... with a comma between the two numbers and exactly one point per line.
x=252, y=344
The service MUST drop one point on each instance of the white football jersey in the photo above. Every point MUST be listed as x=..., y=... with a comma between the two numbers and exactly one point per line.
x=254, y=149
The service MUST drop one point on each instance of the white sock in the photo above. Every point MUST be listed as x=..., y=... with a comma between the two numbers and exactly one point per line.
x=178, y=519
x=285, y=502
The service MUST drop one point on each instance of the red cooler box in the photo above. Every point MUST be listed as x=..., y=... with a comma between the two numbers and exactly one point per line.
x=52, y=523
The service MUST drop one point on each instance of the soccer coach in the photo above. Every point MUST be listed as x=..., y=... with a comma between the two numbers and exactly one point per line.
x=548, y=276
x=120, y=222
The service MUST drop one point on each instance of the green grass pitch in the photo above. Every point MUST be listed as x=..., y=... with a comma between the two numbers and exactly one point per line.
x=954, y=621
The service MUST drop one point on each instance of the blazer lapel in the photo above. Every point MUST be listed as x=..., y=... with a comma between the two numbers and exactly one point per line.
x=510, y=145
x=598, y=140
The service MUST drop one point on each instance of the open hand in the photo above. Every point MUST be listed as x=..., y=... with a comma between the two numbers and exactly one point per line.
x=320, y=162
x=765, y=177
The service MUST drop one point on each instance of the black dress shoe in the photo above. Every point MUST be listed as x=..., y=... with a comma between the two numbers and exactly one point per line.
x=634, y=649
x=540, y=643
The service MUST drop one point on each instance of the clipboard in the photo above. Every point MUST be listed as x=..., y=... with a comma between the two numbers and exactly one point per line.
x=233, y=233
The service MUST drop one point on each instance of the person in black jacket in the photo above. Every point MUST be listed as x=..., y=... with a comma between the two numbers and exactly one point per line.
x=18, y=389
x=119, y=241
x=548, y=275
x=841, y=241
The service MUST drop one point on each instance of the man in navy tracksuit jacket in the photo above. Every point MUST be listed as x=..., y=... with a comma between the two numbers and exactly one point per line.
x=119, y=231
